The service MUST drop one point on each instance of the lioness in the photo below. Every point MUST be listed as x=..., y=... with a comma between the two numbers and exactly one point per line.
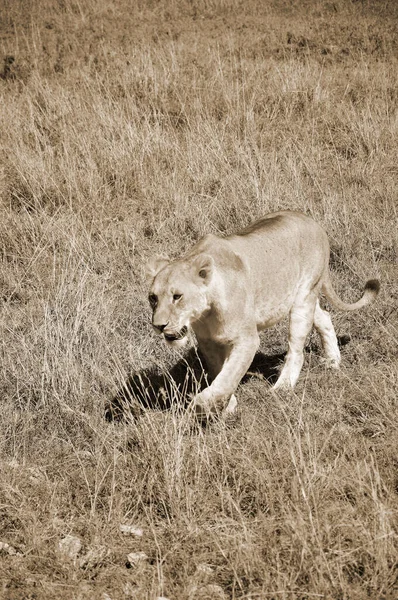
x=228, y=289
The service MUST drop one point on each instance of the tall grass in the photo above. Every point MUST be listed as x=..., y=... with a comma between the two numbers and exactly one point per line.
x=129, y=129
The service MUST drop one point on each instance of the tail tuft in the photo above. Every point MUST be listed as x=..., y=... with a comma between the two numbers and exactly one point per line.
x=373, y=286
x=371, y=290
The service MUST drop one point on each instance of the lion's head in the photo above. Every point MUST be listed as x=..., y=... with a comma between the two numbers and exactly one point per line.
x=178, y=294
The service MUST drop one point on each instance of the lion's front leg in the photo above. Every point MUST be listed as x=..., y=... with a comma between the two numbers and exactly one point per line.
x=220, y=394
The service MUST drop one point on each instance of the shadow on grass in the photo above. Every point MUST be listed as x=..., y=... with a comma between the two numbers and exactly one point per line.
x=154, y=390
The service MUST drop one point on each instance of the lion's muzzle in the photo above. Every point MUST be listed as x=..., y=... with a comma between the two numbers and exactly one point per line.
x=172, y=336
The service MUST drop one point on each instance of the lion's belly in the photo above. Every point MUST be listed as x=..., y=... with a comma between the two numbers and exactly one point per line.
x=268, y=315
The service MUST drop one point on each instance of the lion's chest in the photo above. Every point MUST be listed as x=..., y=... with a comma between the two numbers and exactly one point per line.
x=212, y=330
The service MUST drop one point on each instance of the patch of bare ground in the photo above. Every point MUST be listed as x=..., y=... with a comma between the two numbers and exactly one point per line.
x=129, y=129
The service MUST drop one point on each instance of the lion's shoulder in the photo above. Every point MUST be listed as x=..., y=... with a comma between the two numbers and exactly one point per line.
x=221, y=250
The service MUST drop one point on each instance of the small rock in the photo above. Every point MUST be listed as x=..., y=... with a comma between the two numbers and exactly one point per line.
x=70, y=546
x=136, y=557
x=36, y=475
x=7, y=549
x=131, y=530
x=94, y=557
x=204, y=569
x=210, y=591
x=130, y=589
x=106, y=596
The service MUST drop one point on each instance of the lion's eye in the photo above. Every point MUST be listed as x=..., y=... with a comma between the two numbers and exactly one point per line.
x=176, y=297
x=153, y=299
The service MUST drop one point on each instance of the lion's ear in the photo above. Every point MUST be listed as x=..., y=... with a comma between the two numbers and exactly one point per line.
x=154, y=265
x=204, y=266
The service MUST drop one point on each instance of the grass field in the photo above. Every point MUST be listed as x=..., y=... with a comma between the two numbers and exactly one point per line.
x=133, y=128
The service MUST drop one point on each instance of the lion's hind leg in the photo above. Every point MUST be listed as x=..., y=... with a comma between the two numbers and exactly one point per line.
x=324, y=326
x=300, y=325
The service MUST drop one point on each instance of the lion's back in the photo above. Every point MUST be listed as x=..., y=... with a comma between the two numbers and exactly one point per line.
x=279, y=250
x=271, y=256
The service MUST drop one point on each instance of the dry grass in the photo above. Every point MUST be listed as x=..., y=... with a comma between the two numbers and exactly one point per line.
x=128, y=129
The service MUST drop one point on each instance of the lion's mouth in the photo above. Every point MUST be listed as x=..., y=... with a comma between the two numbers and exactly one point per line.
x=176, y=335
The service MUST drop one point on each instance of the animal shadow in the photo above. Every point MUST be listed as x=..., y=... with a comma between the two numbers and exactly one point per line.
x=151, y=389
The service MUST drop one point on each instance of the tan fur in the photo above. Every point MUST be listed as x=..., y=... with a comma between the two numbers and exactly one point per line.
x=229, y=289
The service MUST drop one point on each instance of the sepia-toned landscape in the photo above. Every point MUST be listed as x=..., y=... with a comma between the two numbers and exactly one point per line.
x=133, y=128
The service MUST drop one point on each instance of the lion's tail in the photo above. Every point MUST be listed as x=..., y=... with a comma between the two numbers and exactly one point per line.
x=371, y=290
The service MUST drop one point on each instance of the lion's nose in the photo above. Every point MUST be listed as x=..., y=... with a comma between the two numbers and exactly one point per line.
x=160, y=327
